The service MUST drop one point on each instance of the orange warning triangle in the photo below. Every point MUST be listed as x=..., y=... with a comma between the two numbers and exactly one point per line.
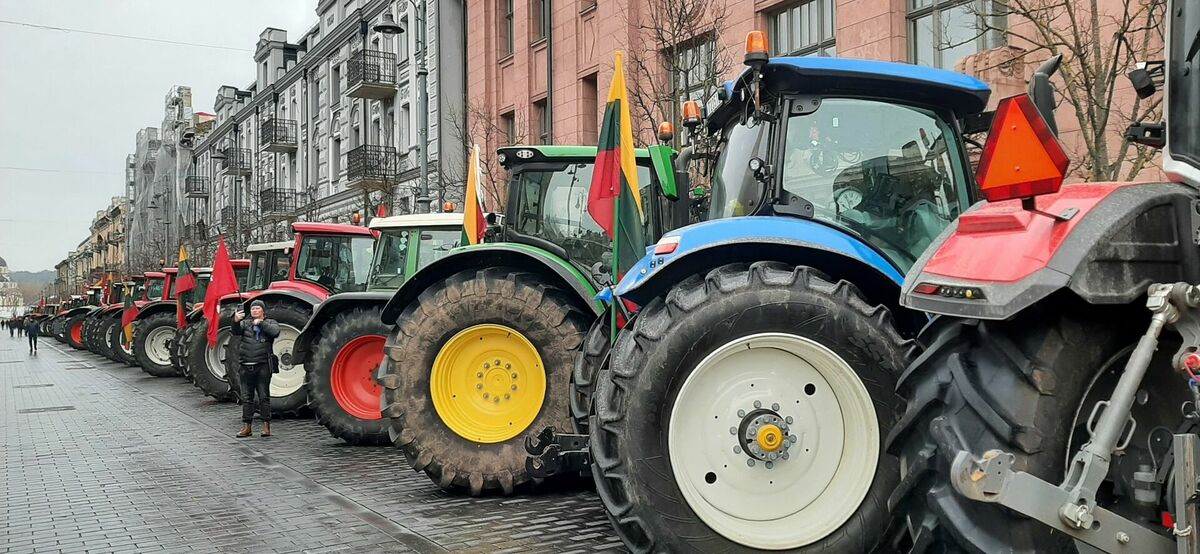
x=1022, y=157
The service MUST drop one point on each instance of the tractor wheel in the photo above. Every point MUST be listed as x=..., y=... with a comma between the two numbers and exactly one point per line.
x=593, y=356
x=289, y=397
x=475, y=364
x=207, y=365
x=1025, y=386
x=87, y=334
x=121, y=349
x=341, y=377
x=179, y=350
x=74, y=333
x=152, y=338
x=747, y=410
x=100, y=337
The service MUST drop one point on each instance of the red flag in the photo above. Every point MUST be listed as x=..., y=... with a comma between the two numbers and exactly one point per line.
x=381, y=211
x=224, y=281
x=128, y=316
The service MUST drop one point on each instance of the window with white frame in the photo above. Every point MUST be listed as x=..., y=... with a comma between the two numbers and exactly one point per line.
x=943, y=32
x=805, y=29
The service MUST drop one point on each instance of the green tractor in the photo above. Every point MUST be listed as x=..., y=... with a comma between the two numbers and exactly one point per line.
x=341, y=346
x=483, y=340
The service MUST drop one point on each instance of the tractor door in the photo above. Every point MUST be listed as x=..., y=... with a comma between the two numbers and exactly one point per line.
x=1182, y=154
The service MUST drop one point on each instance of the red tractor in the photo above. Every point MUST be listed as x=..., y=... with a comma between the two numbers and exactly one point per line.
x=194, y=312
x=205, y=366
x=154, y=329
x=1057, y=404
x=327, y=258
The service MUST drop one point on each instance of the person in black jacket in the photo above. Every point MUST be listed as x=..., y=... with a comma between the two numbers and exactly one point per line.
x=31, y=331
x=258, y=341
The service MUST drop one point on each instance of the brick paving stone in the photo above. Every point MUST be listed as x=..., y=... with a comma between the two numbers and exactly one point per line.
x=145, y=464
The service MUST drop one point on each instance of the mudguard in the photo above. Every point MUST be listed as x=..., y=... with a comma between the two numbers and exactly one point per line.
x=155, y=307
x=704, y=246
x=509, y=254
x=328, y=310
x=1119, y=238
x=301, y=295
x=82, y=310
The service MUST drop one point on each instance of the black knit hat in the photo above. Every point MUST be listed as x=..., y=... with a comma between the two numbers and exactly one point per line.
x=258, y=303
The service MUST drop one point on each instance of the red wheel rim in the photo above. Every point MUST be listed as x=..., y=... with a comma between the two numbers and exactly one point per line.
x=353, y=377
x=77, y=333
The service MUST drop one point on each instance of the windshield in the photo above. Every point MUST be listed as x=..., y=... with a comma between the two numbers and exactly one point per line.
x=197, y=294
x=552, y=206
x=266, y=267
x=735, y=191
x=241, y=274
x=338, y=263
x=156, y=288
x=1183, y=84
x=396, y=259
x=885, y=172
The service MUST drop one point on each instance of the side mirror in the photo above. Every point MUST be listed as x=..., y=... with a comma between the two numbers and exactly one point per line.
x=1042, y=92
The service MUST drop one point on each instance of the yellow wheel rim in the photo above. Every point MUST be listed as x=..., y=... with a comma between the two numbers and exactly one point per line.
x=488, y=383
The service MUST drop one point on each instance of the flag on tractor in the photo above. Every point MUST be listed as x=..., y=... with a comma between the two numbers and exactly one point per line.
x=613, y=199
x=128, y=315
x=42, y=304
x=185, y=282
x=474, y=223
x=381, y=211
x=223, y=282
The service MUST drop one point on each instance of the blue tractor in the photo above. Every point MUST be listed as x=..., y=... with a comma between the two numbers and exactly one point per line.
x=746, y=404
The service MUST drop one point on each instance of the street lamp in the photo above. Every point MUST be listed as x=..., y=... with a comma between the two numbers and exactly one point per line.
x=389, y=27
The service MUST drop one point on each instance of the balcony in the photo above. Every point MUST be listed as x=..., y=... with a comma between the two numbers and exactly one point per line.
x=196, y=187
x=195, y=232
x=371, y=74
x=276, y=203
x=228, y=220
x=277, y=135
x=372, y=167
x=237, y=161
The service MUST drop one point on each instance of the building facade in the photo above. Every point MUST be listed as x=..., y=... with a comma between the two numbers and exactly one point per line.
x=329, y=127
x=107, y=240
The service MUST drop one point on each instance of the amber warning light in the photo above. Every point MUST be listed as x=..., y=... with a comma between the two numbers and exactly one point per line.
x=1022, y=157
x=756, y=48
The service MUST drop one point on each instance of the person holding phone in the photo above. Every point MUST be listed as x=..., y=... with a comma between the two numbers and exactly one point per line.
x=258, y=341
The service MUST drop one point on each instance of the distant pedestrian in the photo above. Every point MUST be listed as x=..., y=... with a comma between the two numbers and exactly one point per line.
x=20, y=325
x=12, y=328
x=31, y=330
x=257, y=347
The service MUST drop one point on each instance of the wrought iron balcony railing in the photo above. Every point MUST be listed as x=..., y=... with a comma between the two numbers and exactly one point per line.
x=372, y=167
x=371, y=74
x=237, y=161
x=195, y=186
x=277, y=135
x=276, y=203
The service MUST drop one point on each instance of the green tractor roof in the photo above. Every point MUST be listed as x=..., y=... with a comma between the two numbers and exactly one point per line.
x=531, y=153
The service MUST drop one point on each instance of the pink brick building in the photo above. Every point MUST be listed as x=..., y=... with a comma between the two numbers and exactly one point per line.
x=538, y=70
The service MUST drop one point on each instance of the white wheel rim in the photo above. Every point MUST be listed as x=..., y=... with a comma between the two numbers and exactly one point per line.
x=290, y=377
x=156, y=344
x=830, y=466
x=214, y=358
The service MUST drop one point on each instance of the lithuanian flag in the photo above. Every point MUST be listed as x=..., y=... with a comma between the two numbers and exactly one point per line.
x=128, y=315
x=613, y=199
x=474, y=223
x=185, y=282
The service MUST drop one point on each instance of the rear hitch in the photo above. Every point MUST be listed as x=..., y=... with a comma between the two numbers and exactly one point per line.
x=1071, y=507
x=557, y=453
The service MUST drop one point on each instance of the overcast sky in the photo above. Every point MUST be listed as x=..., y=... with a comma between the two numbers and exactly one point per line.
x=71, y=103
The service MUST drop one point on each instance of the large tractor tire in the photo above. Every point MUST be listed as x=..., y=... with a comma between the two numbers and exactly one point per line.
x=592, y=357
x=289, y=397
x=747, y=410
x=1025, y=386
x=74, y=332
x=475, y=364
x=100, y=337
x=121, y=349
x=88, y=323
x=179, y=349
x=341, y=377
x=206, y=366
x=152, y=339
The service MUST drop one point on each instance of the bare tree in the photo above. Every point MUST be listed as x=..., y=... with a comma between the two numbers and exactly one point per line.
x=1099, y=47
x=479, y=126
x=679, y=54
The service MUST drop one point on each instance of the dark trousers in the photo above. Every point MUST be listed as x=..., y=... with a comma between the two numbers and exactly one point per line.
x=256, y=389
x=33, y=342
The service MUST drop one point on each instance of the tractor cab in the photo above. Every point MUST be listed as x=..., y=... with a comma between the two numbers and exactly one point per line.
x=548, y=194
x=872, y=149
x=269, y=262
x=153, y=286
x=408, y=242
x=331, y=257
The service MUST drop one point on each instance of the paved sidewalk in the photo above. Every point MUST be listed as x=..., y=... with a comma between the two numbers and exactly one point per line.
x=98, y=457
